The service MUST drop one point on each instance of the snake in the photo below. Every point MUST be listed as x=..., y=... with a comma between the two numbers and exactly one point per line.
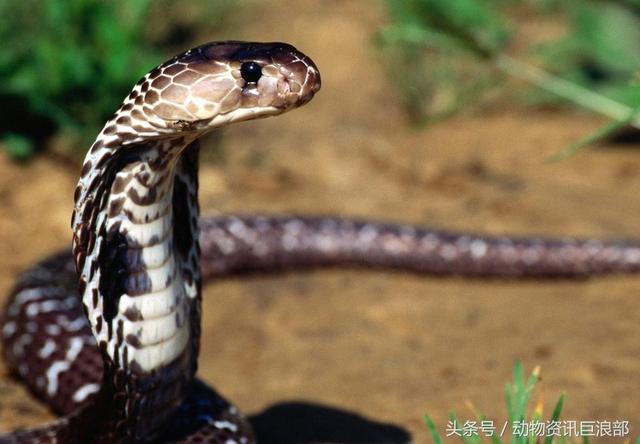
x=107, y=334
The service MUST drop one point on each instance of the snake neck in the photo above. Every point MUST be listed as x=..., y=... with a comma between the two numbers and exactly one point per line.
x=137, y=255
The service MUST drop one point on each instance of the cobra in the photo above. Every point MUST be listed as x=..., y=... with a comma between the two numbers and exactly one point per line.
x=108, y=336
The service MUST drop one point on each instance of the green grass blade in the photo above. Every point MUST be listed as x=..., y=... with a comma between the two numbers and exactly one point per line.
x=568, y=90
x=555, y=416
x=558, y=408
x=437, y=439
x=594, y=137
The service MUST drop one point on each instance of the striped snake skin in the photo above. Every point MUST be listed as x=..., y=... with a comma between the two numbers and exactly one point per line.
x=108, y=335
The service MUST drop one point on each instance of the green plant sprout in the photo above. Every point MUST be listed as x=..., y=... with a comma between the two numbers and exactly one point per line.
x=518, y=397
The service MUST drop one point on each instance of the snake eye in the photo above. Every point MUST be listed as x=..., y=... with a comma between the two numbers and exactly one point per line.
x=250, y=72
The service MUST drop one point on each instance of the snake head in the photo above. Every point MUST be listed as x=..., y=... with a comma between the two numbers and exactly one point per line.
x=218, y=83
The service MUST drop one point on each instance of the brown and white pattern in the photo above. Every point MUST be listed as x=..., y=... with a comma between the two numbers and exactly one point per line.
x=135, y=247
x=236, y=244
x=119, y=360
x=140, y=276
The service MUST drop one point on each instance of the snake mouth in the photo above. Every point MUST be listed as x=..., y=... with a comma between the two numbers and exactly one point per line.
x=299, y=83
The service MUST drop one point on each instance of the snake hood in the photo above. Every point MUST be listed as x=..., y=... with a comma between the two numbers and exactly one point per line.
x=194, y=92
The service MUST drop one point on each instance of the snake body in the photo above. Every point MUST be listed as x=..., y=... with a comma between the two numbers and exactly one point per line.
x=108, y=334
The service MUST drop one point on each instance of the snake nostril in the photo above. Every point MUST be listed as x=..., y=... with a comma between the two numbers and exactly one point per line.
x=250, y=72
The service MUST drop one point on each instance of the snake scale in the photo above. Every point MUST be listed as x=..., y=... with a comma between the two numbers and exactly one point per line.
x=108, y=335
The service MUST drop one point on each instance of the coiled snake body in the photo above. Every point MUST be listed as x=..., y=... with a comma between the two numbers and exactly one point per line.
x=127, y=375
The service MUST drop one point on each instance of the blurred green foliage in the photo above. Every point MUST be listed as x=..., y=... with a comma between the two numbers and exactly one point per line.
x=441, y=54
x=601, y=49
x=65, y=65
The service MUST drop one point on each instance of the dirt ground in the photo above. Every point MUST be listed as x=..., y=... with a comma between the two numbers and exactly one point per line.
x=388, y=346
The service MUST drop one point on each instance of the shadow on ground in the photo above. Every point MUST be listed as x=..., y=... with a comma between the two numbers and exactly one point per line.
x=305, y=423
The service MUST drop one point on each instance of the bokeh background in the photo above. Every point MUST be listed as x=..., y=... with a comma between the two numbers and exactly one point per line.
x=437, y=113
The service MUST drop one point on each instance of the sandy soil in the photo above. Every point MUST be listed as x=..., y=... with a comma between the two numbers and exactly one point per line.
x=388, y=346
